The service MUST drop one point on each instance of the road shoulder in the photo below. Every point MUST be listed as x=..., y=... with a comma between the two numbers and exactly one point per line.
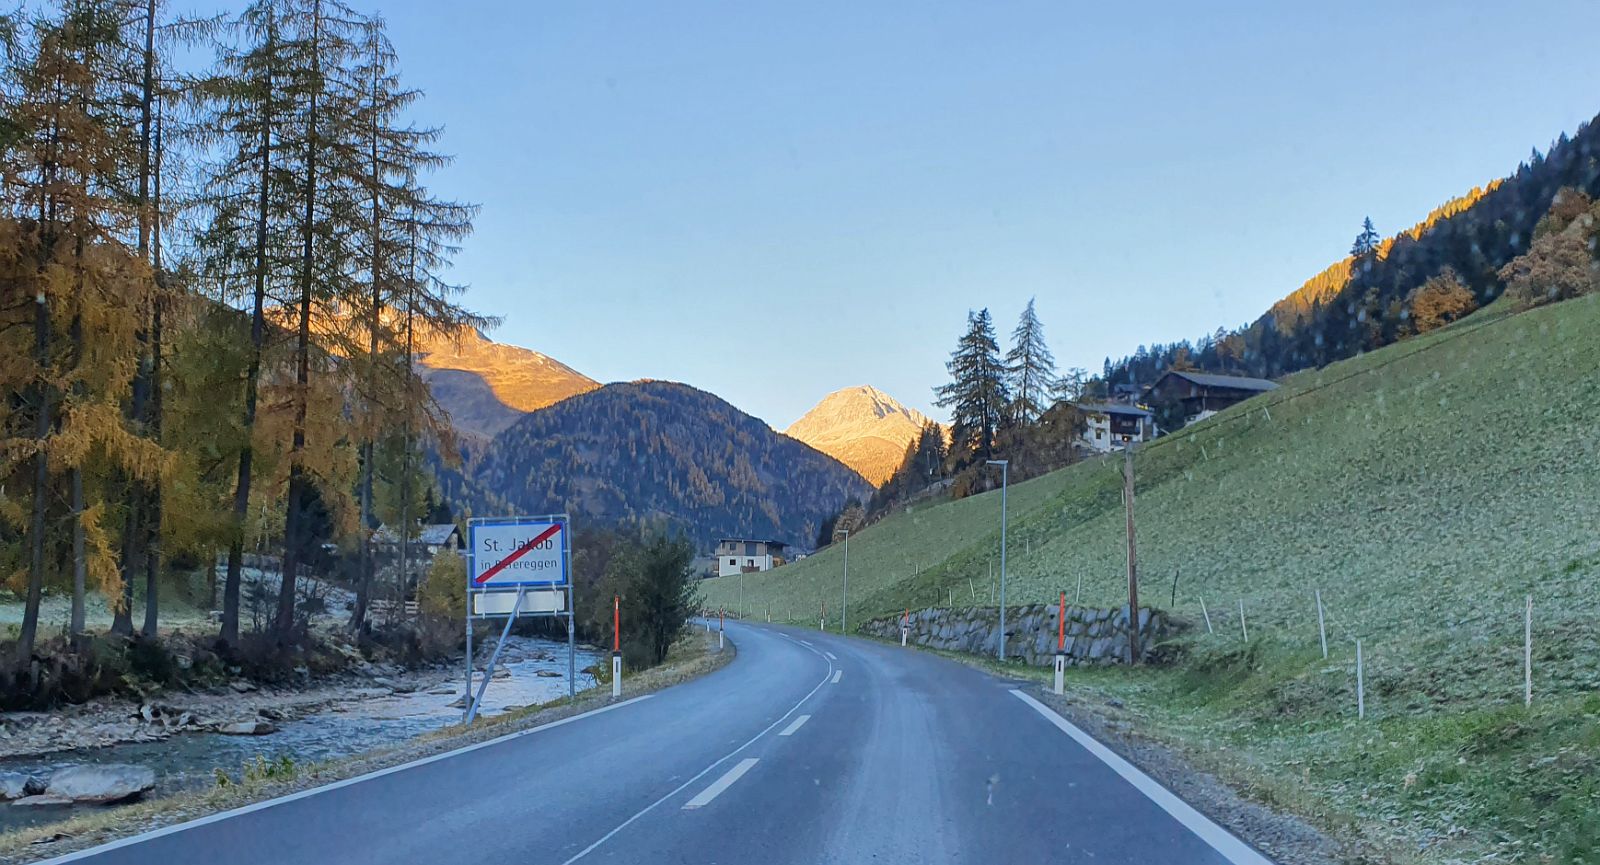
x=1213, y=784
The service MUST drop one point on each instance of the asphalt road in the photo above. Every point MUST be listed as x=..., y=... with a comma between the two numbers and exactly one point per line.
x=808, y=748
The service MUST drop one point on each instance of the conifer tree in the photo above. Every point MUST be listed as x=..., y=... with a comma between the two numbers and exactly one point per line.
x=1031, y=366
x=977, y=394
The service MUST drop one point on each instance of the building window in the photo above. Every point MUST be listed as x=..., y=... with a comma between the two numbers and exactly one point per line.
x=733, y=561
x=1099, y=433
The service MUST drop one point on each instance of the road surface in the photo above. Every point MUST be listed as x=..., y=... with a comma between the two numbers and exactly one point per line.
x=807, y=748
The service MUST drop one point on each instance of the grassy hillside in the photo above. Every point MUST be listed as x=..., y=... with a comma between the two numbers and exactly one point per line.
x=1426, y=489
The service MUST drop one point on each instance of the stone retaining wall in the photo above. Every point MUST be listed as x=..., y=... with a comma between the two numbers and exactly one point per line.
x=1093, y=636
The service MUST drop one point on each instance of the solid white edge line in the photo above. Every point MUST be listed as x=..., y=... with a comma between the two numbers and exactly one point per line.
x=304, y=794
x=836, y=676
x=789, y=730
x=703, y=772
x=721, y=784
x=1218, y=838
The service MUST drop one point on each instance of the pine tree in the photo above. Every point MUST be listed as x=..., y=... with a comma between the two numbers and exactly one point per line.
x=977, y=395
x=1031, y=366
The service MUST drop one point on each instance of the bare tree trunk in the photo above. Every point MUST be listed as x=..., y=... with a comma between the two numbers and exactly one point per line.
x=153, y=520
x=294, y=522
x=358, y=616
x=258, y=334
x=151, y=414
x=41, y=483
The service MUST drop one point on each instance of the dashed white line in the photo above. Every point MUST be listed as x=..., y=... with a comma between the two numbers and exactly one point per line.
x=701, y=774
x=805, y=642
x=789, y=730
x=720, y=784
x=836, y=676
x=830, y=656
x=1231, y=848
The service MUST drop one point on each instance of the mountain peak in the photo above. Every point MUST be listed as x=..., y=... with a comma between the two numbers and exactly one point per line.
x=862, y=427
x=486, y=385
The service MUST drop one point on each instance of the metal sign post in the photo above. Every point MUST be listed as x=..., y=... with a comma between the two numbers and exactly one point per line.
x=518, y=566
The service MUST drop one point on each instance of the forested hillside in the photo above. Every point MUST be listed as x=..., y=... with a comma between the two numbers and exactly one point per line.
x=663, y=455
x=1369, y=299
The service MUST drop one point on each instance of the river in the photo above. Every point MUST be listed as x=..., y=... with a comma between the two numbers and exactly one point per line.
x=188, y=761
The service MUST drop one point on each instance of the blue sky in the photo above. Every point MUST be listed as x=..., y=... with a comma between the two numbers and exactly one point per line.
x=772, y=200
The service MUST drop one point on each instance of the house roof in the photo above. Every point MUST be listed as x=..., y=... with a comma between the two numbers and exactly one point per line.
x=1114, y=408
x=769, y=543
x=1207, y=379
x=435, y=534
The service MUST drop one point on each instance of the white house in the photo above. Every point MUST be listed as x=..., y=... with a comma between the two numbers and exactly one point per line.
x=1113, y=425
x=745, y=555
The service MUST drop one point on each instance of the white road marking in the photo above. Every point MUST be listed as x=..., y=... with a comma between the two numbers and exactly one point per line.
x=258, y=806
x=701, y=774
x=720, y=784
x=805, y=642
x=836, y=676
x=789, y=730
x=830, y=656
x=1220, y=840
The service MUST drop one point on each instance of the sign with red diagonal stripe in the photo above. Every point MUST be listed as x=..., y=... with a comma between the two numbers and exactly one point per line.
x=515, y=554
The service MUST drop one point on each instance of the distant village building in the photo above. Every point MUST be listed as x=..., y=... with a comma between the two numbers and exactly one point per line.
x=428, y=540
x=746, y=556
x=1195, y=396
x=1111, y=426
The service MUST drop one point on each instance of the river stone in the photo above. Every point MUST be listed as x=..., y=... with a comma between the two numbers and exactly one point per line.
x=15, y=785
x=41, y=799
x=108, y=783
x=547, y=674
x=247, y=728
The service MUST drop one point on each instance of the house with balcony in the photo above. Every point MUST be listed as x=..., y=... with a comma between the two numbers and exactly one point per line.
x=1110, y=426
x=1194, y=396
x=747, y=555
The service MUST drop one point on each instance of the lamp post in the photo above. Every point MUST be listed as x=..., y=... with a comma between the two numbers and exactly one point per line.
x=844, y=606
x=1005, y=471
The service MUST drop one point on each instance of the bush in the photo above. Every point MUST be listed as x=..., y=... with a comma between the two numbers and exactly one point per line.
x=442, y=595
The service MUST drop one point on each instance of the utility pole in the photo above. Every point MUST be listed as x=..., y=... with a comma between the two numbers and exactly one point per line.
x=1133, y=559
x=1005, y=472
x=844, y=608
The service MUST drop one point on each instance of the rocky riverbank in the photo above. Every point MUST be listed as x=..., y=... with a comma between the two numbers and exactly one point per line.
x=240, y=707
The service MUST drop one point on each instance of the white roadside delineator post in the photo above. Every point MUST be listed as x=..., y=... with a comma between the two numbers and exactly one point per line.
x=721, y=625
x=616, y=646
x=1061, y=646
x=905, y=627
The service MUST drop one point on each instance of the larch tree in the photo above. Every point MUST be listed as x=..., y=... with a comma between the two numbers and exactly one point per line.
x=245, y=244
x=1031, y=366
x=64, y=172
x=407, y=236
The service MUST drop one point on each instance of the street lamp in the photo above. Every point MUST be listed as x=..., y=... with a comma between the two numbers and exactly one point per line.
x=1005, y=471
x=844, y=607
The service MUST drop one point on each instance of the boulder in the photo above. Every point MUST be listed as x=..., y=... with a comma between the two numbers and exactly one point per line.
x=242, y=686
x=547, y=674
x=16, y=785
x=100, y=784
x=257, y=727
